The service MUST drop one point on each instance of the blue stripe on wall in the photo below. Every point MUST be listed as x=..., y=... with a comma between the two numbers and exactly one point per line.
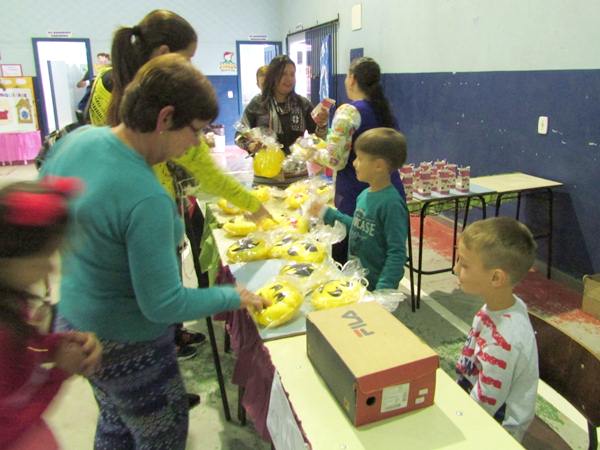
x=489, y=121
x=228, y=107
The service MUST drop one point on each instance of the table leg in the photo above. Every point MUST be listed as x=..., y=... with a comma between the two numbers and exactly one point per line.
x=411, y=267
x=420, y=255
x=217, y=362
x=550, y=231
x=241, y=412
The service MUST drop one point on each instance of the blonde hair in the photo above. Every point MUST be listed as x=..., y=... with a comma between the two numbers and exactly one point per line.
x=504, y=243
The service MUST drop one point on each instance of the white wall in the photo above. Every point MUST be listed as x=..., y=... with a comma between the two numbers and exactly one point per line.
x=407, y=36
x=218, y=24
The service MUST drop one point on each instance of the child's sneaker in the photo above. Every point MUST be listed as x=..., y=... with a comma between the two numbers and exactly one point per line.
x=186, y=352
x=184, y=337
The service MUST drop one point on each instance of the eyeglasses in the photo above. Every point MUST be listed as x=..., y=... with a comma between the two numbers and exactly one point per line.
x=197, y=131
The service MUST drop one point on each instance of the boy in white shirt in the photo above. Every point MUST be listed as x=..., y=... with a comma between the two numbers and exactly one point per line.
x=499, y=361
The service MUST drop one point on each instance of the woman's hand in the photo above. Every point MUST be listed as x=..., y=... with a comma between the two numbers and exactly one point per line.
x=261, y=214
x=250, y=300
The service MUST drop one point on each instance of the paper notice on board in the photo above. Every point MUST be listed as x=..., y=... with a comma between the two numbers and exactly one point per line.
x=281, y=423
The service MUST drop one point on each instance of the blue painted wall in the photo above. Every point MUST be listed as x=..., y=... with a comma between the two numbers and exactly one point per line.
x=228, y=107
x=489, y=120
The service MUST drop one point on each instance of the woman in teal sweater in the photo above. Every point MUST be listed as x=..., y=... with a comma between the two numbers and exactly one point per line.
x=120, y=278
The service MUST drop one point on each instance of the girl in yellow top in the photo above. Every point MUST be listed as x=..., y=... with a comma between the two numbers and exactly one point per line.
x=161, y=32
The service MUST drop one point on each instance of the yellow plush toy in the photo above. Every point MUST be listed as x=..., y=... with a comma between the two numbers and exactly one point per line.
x=239, y=226
x=300, y=270
x=227, y=207
x=296, y=200
x=305, y=250
x=281, y=244
x=247, y=249
x=262, y=193
x=337, y=293
x=286, y=300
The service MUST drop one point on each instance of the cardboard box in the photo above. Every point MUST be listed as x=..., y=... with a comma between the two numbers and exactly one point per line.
x=591, y=295
x=374, y=366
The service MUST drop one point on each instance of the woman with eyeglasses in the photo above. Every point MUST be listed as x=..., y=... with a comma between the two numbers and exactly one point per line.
x=120, y=278
x=161, y=32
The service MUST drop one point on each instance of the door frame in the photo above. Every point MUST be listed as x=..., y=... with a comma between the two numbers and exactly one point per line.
x=41, y=101
x=279, y=46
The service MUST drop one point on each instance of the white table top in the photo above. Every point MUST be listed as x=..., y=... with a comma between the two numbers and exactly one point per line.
x=514, y=182
x=453, y=422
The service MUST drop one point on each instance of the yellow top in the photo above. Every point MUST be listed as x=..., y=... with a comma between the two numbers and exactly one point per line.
x=99, y=99
x=196, y=163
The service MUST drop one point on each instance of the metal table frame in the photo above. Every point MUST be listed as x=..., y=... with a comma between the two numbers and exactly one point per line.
x=426, y=202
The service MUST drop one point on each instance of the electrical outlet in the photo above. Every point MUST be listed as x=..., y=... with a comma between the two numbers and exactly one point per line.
x=543, y=125
x=229, y=94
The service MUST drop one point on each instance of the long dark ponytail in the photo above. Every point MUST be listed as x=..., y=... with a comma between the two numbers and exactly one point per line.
x=367, y=74
x=132, y=47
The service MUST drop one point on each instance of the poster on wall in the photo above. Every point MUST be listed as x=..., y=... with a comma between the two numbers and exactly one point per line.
x=227, y=65
x=17, y=105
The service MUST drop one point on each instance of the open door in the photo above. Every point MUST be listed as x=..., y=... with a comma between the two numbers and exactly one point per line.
x=60, y=64
x=251, y=55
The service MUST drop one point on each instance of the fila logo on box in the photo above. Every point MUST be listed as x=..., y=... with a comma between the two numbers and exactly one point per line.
x=358, y=325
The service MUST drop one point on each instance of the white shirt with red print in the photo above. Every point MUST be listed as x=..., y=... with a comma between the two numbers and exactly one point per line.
x=500, y=360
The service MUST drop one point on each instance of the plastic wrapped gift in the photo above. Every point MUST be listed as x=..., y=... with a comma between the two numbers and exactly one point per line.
x=406, y=170
x=452, y=169
x=341, y=287
x=439, y=164
x=285, y=299
x=424, y=186
x=268, y=162
x=463, y=180
x=443, y=181
x=324, y=105
x=250, y=248
x=407, y=182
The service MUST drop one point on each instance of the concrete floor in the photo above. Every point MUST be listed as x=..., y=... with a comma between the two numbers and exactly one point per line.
x=442, y=321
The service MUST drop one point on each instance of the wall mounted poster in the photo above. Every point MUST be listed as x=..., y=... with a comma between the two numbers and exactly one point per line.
x=17, y=105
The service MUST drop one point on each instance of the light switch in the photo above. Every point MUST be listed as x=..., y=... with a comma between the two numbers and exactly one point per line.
x=543, y=125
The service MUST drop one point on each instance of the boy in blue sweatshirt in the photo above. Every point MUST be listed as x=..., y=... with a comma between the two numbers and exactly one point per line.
x=378, y=229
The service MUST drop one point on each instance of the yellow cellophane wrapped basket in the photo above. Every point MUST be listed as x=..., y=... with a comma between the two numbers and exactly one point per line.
x=268, y=161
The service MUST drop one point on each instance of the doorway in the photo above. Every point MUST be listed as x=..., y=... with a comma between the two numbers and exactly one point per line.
x=250, y=56
x=60, y=65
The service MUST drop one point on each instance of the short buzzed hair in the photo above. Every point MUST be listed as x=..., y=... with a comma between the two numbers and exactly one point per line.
x=385, y=143
x=504, y=243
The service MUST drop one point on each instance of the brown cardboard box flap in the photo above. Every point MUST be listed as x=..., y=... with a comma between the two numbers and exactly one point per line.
x=397, y=375
x=373, y=340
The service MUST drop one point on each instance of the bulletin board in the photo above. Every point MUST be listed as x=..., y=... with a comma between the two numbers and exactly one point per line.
x=17, y=105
